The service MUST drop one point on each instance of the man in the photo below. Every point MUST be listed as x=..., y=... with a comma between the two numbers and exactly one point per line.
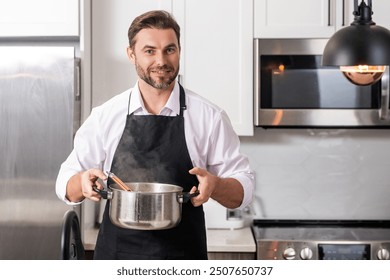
x=157, y=132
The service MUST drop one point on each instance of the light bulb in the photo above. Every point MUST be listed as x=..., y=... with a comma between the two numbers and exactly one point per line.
x=363, y=75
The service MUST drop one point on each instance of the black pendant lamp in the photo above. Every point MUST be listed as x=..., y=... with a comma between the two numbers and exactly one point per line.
x=362, y=50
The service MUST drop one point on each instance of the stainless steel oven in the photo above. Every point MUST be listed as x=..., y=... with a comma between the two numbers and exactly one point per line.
x=293, y=89
x=322, y=240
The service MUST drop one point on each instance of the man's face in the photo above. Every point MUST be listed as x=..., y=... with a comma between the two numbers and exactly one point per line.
x=156, y=56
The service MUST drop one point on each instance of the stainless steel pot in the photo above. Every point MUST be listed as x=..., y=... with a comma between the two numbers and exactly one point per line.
x=150, y=206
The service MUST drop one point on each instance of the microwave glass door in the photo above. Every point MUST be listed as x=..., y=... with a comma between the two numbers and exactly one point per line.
x=301, y=82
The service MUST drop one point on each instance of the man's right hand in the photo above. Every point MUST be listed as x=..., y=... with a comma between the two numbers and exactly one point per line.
x=90, y=178
x=80, y=185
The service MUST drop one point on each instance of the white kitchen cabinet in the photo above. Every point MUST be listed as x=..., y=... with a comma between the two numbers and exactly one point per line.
x=112, y=71
x=296, y=19
x=308, y=18
x=26, y=18
x=229, y=244
x=217, y=55
x=231, y=256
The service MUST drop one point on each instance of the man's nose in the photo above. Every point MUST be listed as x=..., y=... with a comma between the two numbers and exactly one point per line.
x=160, y=58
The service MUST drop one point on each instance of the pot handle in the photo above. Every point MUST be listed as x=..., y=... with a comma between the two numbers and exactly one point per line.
x=104, y=194
x=185, y=197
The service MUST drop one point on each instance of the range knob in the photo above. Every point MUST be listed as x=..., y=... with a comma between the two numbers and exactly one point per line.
x=383, y=254
x=306, y=253
x=289, y=254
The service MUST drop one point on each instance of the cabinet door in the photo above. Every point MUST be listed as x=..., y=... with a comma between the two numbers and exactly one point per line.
x=295, y=19
x=217, y=55
x=112, y=72
x=231, y=256
x=381, y=9
x=39, y=18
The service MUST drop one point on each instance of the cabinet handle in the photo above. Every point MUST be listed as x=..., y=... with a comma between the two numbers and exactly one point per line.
x=333, y=9
x=77, y=96
x=344, y=14
x=336, y=7
x=77, y=79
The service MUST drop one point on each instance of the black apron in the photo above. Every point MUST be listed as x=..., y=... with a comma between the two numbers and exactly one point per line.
x=153, y=149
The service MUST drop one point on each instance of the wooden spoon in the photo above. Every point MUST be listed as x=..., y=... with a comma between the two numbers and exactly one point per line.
x=118, y=181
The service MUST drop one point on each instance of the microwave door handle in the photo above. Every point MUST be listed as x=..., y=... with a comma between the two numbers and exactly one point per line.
x=384, y=110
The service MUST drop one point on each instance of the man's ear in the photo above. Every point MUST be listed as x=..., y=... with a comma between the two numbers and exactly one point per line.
x=130, y=54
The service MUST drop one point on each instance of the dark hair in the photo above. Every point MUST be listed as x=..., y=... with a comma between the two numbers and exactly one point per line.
x=153, y=19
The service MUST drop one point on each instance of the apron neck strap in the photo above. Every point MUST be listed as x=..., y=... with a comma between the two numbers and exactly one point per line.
x=183, y=105
x=128, y=104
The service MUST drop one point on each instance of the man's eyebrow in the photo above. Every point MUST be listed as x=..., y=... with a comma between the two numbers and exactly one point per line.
x=171, y=46
x=149, y=47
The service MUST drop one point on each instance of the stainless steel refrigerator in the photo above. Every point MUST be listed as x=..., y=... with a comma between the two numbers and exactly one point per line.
x=39, y=112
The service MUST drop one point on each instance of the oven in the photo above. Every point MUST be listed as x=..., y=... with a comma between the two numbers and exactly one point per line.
x=322, y=239
x=292, y=89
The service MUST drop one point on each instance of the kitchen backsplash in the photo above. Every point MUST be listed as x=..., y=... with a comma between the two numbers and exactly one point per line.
x=320, y=174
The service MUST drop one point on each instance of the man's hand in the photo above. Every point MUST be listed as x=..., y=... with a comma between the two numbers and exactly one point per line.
x=90, y=178
x=207, y=185
x=80, y=185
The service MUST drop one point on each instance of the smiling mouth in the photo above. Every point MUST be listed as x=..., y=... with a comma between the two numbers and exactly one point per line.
x=161, y=72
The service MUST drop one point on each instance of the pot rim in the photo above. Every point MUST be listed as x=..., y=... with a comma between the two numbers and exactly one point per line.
x=170, y=188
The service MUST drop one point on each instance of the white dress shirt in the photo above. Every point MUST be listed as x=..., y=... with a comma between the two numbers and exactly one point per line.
x=211, y=141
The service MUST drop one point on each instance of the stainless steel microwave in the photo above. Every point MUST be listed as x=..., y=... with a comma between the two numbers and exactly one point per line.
x=293, y=89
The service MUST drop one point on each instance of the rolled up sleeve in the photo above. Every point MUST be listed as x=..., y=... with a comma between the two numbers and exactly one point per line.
x=225, y=159
x=87, y=153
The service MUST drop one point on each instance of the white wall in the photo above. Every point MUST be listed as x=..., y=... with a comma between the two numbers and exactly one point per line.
x=320, y=174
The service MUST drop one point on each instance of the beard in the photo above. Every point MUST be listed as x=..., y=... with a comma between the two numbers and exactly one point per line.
x=161, y=82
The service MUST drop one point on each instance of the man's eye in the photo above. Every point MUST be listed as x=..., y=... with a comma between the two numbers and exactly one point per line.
x=170, y=50
x=149, y=51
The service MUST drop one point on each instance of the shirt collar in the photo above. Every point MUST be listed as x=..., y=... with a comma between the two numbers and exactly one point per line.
x=173, y=103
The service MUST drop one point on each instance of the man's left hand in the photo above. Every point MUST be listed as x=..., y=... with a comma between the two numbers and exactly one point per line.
x=207, y=184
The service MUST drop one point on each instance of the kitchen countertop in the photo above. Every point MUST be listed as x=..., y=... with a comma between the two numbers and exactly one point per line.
x=218, y=240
